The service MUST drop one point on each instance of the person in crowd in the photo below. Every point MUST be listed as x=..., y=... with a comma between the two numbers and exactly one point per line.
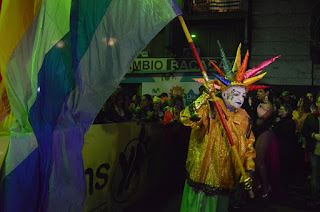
x=267, y=161
x=173, y=114
x=145, y=112
x=116, y=111
x=288, y=98
x=135, y=103
x=284, y=129
x=264, y=111
x=127, y=99
x=302, y=111
x=299, y=116
x=310, y=130
x=176, y=142
x=163, y=96
x=158, y=108
x=313, y=106
x=167, y=104
x=277, y=101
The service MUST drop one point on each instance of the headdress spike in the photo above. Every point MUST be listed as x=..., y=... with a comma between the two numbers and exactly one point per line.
x=251, y=80
x=252, y=87
x=223, y=80
x=201, y=80
x=240, y=74
x=257, y=68
x=217, y=68
x=225, y=63
x=237, y=62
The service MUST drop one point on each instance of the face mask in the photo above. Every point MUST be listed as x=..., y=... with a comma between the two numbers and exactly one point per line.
x=233, y=97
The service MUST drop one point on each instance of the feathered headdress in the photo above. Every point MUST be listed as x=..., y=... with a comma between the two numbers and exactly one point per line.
x=239, y=75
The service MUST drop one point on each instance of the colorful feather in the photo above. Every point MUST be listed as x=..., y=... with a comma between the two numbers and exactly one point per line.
x=217, y=68
x=254, y=70
x=223, y=80
x=253, y=79
x=252, y=87
x=237, y=62
x=225, y=62
x=240, y=74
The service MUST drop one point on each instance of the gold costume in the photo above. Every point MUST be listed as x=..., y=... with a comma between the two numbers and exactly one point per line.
x=210, y=163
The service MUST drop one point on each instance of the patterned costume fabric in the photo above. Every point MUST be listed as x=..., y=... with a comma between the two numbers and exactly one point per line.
x=210, y=164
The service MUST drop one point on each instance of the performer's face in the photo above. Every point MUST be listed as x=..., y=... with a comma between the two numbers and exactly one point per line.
x=233, y=97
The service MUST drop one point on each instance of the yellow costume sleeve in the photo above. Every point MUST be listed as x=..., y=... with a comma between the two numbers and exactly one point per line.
x=192, y=114
x=250, y=154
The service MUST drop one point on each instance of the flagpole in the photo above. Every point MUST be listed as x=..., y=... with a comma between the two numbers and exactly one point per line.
x=216, y=104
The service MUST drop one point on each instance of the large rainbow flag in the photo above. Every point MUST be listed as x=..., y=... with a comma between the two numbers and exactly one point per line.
x=60, y=60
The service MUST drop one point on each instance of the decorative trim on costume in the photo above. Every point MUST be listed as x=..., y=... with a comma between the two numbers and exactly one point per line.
x=208, y=189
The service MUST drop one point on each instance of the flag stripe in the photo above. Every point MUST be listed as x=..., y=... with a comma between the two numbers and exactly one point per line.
x=22, y=68
x=49, y=26
x=60, y=63
x=12, y=27
x=114, y=47
x=99, y=72
x=83, y=26
x=20, y=188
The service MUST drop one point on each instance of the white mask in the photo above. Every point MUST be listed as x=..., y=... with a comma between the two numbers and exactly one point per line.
x=233, y=97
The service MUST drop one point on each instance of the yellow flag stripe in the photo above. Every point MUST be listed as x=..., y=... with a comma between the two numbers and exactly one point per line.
x=12, y=27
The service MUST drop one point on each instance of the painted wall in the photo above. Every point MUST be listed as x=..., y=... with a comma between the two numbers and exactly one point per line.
x=282, y=28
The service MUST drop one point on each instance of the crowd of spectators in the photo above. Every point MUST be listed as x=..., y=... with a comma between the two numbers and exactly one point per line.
x=283, y=155
x=282, y=137
x=146, y=108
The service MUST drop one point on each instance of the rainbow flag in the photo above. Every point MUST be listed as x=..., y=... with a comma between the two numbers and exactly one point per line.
x=60, y=60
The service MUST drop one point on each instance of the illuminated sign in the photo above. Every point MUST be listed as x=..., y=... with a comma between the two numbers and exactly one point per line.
x=169, y=64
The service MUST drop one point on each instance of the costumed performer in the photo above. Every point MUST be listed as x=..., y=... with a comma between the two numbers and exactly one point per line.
x=211, y=168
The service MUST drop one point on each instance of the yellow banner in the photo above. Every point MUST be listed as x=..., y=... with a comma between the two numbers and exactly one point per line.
x=117, y=160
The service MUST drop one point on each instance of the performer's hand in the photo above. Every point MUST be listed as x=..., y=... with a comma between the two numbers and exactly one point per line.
x=211, y=88
x=201, y=101
x=247, y=180
x=248, y=183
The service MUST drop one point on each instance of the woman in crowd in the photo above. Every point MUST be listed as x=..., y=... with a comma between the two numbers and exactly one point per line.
x=265, y=143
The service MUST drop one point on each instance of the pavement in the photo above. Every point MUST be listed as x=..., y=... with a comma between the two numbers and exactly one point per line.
x=167, y=198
